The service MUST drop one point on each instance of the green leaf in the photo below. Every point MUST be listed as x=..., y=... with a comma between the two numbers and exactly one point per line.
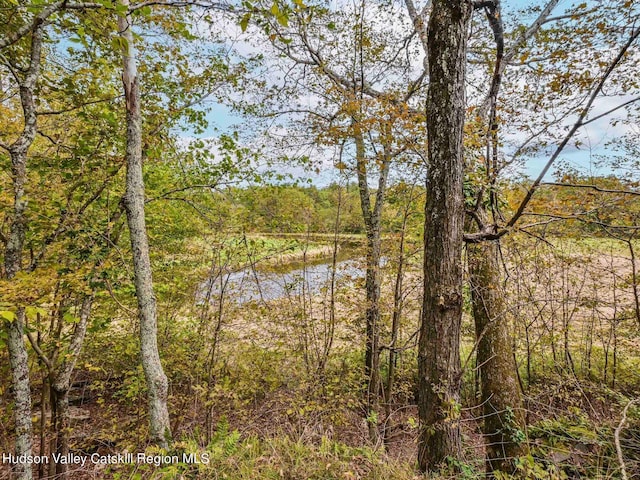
x=121, y=9
x=283, y=19
x=32, y=312
x=244, y=22
x=69, y=318
x=119, y=43
x=8, y=315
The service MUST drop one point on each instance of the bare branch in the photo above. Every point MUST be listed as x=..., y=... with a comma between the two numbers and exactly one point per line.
x=76, y=107
x=579, y=123
x=530, y=32
x=36, y=348
x=623, y=420
x=592, y=187
x=419, y=24
x=492, y=232
x=569, y=16
x=508, y=56
x=608, y=112
x=165, y=195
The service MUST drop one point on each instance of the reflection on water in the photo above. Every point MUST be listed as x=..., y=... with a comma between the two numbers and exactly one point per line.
x=250, y=285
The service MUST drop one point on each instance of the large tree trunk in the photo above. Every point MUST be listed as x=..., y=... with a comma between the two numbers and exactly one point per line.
x=504, y=419
x=372, y=290
x=372, y=314
x=18, y=356
x=157, y=385
x=438, y=351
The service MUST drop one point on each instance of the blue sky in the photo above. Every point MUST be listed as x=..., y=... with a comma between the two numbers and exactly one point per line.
x=222, y=119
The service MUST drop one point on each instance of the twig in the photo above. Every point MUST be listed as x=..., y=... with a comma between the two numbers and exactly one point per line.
x=623, y=420
x=593, y=187
x=494, y=233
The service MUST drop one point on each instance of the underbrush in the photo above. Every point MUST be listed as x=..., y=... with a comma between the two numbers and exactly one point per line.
x=231, y=456
x=572, y=426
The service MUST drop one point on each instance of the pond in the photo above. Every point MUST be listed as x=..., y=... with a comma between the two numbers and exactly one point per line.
x=263, y=284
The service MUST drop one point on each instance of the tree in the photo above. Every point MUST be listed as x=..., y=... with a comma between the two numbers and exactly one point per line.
x=439, y=343
x=26, y=76
x=134, y=200
x=503, y=417
x=503, y=421
x=365, y=91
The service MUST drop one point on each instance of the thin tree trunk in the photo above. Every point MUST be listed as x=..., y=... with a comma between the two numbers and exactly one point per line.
x=504, y=420
x=613, y=338
x=634, y=279
x=615, y=354
x=157, y=384
x=19, y=362
x=372, y=290
x=61, y=384
x=18, y=356
x=44, y=407
x=439, y=344
x=395, y=325
x=59, y=381
x=60, y=420
x=591, y=328
x=331, y=327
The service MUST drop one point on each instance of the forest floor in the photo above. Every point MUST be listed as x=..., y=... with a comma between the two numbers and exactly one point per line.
x=272, y=403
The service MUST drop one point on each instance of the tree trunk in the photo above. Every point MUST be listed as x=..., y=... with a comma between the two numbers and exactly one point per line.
x=504, y=422
x=60, y=420
x=372, y=354
x=61, y=384
x=18, y=356
x=371, y=216
x=439, y=344
x=395, y=326
x=157, y=385
x=19, y=361
x=372, y=290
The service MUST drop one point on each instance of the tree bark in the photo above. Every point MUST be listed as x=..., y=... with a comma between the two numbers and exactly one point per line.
x=60, y=420
x=61, y=384
x=372, y=287
x=18, y=355
x=157, y=384
x=504, y=419
x=19, y=362
x=395, y=327
x=439, y=343
x=371, y=216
